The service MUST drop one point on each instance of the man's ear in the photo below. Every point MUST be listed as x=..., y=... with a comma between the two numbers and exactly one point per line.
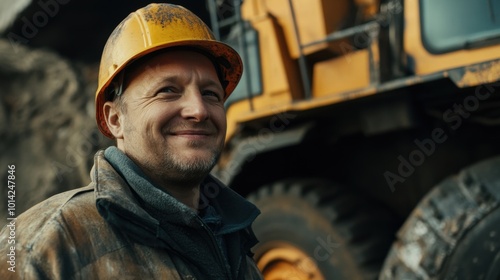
x=113, y=118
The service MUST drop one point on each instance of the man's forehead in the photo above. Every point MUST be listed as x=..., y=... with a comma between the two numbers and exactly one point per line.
x=156, y=64
x=153, y=62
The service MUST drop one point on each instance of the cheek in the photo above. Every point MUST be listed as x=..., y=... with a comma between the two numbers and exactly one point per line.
x=155, y=119
x=219, y=119
x=134, y=123
x=138, y=131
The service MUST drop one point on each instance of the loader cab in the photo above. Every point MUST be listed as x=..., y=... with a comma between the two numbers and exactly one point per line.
x=455, y=37
x=470, y=25
x=303, y=50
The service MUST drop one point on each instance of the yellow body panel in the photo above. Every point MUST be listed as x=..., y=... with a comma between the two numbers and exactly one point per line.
x=280, y=78
x=317, y=19
x=341, y=74
x=369, y=8
x=484, y=73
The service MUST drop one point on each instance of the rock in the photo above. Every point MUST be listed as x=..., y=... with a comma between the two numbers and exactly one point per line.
x=47, y=123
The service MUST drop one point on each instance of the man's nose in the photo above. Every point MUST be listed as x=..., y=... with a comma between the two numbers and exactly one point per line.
x=193, y=106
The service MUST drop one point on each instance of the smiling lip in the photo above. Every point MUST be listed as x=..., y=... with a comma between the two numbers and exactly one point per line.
x=191, y=133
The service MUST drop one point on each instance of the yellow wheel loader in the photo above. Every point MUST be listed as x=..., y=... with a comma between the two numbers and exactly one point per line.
x=368, y=133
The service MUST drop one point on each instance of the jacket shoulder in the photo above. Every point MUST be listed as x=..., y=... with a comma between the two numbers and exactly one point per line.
x=45, y=214
x=55, y=237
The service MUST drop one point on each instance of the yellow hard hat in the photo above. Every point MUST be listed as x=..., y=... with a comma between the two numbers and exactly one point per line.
x=156, y=27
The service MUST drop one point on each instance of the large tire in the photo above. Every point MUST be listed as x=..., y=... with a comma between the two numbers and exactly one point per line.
x=309, y=229
x=454, y=233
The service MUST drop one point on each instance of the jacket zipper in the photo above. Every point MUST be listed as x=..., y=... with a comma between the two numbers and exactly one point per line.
x=216, y=247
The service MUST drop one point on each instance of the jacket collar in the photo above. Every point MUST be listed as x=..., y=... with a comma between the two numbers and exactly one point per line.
x=118, y=204
x=236, y=212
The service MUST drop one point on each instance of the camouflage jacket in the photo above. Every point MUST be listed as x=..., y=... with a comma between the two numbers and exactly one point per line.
x=68, y=237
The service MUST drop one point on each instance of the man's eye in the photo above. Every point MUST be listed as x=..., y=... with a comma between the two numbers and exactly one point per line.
x=212, y=94
x=167, y=90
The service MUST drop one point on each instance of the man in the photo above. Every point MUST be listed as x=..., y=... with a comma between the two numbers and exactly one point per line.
x=152, y=211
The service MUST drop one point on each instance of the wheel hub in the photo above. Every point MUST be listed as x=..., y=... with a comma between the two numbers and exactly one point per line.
x=288, y=262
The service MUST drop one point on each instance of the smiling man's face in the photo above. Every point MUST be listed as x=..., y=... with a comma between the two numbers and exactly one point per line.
x=172, y=120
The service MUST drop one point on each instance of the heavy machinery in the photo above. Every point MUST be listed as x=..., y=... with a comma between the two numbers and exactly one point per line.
x=367, y=132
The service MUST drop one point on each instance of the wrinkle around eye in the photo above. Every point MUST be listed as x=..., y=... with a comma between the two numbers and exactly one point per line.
x=168, y=93
x=212, y=95
x=168, y=89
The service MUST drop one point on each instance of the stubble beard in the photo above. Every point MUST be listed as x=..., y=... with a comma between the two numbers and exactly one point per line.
x=179, y=170
x=191, y=170
x=175, y=168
